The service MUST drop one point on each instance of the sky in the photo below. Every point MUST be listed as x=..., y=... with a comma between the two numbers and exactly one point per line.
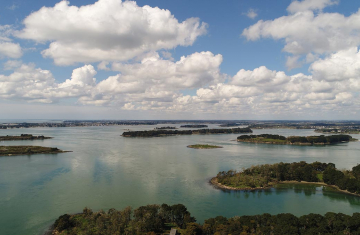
x=180, y=59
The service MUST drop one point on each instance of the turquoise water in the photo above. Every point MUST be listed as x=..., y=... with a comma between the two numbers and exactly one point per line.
x=106, y=171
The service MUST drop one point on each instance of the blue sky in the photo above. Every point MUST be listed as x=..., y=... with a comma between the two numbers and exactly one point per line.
x=208, y=60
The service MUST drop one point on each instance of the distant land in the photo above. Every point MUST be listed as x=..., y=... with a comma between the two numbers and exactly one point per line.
x=203, y=146
x=23, y=137
x=267, y=175
x=27, y=150
x=295, y=140
x=253, y=124
x=158, y=133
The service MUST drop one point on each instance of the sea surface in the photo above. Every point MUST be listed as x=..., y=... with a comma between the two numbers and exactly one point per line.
x=107, y=171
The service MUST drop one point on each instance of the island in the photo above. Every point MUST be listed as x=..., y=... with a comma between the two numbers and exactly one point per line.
x=27, y=150
x=176, y=219
x=203, y=146
x=165, y=128
x=230, y=125
x=23, y=137
x=295, y=140
x=158, y=133
x=266, y=176
x=194, y=126
x=337, y=131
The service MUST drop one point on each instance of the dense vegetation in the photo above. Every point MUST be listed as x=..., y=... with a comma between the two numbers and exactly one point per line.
x=23, y=137
x=165, y=127
x=27, y=150
x=157, y=133
x=301, y=140
x=156, y=219
x=194, y=126
x=268, y=175
x=203, y=146
x=335, y=130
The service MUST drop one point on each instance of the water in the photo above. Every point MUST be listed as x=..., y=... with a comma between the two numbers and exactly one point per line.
x=107, y=171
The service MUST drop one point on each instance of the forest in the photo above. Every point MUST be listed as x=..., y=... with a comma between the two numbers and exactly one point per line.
x=307, y=140
x=262, y=176
x=158, y=219
x=157, y=133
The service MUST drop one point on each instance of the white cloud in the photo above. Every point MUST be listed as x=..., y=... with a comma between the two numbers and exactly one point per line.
x=261, y=77
x=7, y=47
x=304, y=32
x=311, y=5
x=108, y=30
x=251, y=13
x=292, y=62
x=339, y=66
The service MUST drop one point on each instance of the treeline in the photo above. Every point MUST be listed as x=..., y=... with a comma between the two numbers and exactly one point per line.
x=23, y=137
x=268, y=175
x=143, y=220
x=264, y=136
x=156, y=219
x=310, y=140
x=194, y=126
x=345, y=180
x=157, y=133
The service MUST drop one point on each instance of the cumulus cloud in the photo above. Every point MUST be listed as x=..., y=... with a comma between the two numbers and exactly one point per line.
x=304, y=32
x=305, y=5
x=108, y=30
x=158, y=84
x=7, y=47
x=339, y=66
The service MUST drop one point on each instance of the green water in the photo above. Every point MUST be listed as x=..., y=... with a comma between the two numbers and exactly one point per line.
x=106, y=170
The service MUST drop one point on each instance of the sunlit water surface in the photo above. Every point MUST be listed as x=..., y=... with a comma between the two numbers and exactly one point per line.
x=107, y=171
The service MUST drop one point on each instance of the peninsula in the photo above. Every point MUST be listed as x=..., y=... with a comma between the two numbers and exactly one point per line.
x=203, y=146
x=27, y=150
x=23, y=137
x=158, y=133
x=266, y=176
x=295, y=140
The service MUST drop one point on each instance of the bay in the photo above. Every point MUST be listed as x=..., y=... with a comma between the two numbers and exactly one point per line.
x=107, y=171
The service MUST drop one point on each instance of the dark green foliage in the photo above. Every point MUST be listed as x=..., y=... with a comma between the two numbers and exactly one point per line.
x=157, y=133
x=308, y=140
x=151, y=219
x=264, y=175
x=145, y=219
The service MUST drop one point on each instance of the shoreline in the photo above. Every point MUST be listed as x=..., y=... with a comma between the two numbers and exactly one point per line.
x=213, y=181
x=208, y=147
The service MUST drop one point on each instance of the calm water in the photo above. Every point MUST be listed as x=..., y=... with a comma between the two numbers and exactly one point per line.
x=106, y=170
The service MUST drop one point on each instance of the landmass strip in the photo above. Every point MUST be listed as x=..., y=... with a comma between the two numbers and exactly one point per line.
x=176, y=219
x=158, y=133
x=295, y=140
x=27, y=150
x=204, y=146
x=266, y=176
x=23, y=137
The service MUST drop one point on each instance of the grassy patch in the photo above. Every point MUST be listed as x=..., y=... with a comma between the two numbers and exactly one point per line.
x=203, y=146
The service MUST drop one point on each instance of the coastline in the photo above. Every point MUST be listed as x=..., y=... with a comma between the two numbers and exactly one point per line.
x=213, y=181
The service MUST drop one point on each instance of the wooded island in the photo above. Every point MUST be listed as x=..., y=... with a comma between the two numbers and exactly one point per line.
x=265, y=176
x=158, y=133
x=295, y=140
x=23, y=137
x=27, y=150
